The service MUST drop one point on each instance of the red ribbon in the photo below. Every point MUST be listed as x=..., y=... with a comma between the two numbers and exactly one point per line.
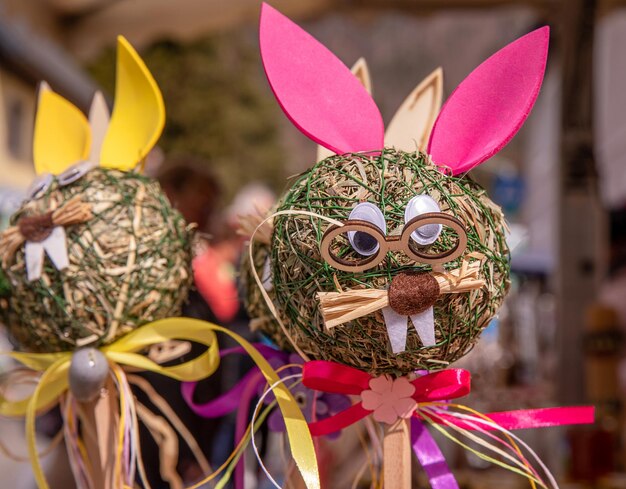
x=341, y=379
x=437, y=386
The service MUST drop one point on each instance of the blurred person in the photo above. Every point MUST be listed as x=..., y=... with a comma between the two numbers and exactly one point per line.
x=612, y=291
x=253, y=198
x=216, y=276
x=215, y=266
x=214, y=270
x=191, y=187
x=195, y=191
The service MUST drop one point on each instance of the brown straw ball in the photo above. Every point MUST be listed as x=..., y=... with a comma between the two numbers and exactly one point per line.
x=298, y=272
x=129, y=264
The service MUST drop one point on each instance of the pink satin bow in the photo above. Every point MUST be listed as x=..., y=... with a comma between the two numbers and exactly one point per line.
x=341, y=379
x=438, y=386
x=444, y=385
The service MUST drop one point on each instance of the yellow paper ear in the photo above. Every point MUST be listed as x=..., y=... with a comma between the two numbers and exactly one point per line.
x=362, y=72
x=62, y=136
x=409, y=130
x=138, y=112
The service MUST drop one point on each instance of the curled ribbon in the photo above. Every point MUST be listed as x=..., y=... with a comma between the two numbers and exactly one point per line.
x=125, y=351
x=444, y=385
x=236, y=399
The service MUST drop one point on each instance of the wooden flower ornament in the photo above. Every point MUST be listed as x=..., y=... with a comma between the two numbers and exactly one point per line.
x=389, y=399
x=394, y=236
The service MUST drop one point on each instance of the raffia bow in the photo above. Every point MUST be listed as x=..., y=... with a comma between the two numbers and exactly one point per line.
x=340, y=307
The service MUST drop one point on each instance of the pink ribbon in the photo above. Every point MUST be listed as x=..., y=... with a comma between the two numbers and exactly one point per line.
x=438, y=386
x=522, y=419
x=333, y=377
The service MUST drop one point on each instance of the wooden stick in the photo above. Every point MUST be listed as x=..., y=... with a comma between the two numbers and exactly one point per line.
x=397, y=456
x=99, y=430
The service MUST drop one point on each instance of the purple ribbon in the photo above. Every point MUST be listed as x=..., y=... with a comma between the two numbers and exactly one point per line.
x=231, y=400
x=238, y=398
x=430, y=457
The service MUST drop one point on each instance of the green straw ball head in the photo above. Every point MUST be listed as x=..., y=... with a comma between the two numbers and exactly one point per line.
x=332, y=188
x=130, y=264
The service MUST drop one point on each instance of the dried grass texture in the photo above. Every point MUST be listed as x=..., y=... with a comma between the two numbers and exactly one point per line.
x=261, y=318
x=331, y=189
x=129, y=264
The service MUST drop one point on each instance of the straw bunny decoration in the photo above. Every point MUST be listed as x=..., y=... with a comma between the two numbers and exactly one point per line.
x=382, y=264
x=412, y=241
x=99, y=265
x=420, y=108
x=110, y=234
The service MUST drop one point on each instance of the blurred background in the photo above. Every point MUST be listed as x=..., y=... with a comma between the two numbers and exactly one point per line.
x=561, y=181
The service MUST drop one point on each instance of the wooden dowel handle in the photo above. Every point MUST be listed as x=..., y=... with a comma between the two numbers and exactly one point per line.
x=99, y=420
x=397, y=456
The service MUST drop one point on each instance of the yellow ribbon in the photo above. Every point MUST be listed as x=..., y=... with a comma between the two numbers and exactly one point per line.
x=54, y=381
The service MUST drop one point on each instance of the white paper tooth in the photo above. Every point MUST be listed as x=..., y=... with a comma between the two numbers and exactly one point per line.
x=55, y=247
x=424, y=323
x=396, y=329
x=33, y=254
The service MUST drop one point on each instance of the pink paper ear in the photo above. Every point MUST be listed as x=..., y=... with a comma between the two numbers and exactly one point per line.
x=488, y=108
x=317, y=92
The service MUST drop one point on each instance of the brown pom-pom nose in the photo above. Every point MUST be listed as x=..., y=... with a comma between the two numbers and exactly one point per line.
x=36, y=228
x=412, y=292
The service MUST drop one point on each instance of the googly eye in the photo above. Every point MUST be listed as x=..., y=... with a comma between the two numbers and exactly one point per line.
x=364, y=243
x=39, y=186
x=75, y=172
x=418, y=205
